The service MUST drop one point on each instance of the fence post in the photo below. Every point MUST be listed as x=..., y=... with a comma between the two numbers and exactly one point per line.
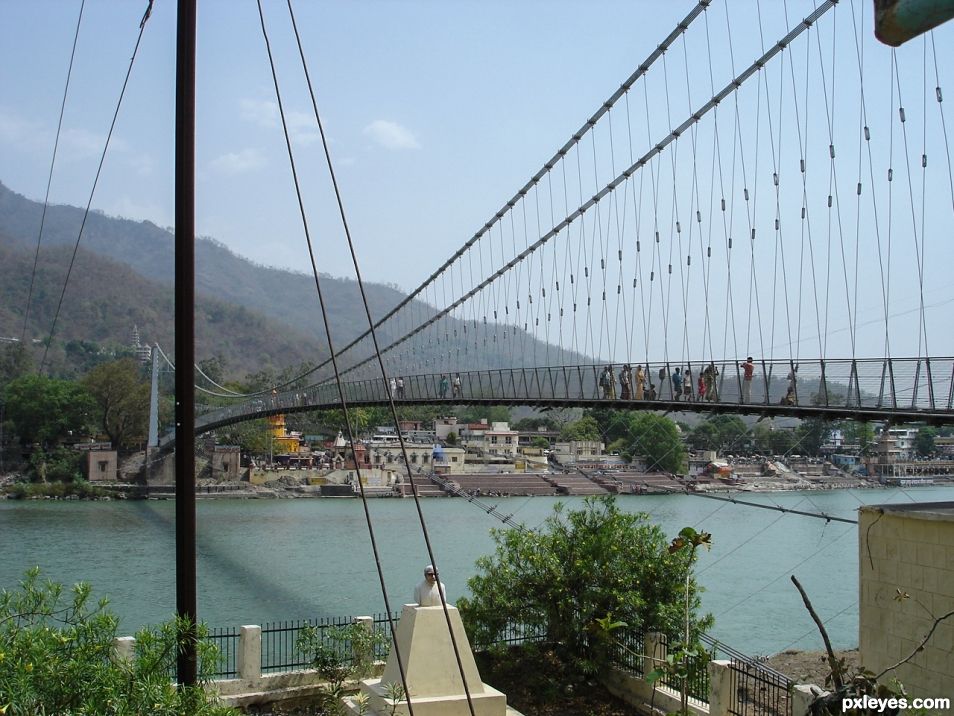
x=250, y=652
x=720, y=687
x=656, y=648
x=803, y=695
x=364, y=654
x=125, y=648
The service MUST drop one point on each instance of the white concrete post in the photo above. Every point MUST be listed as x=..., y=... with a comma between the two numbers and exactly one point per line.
x=654, y=651
x=720, y=687
x=803, y=695
x=250, y=652
x=366, y=623
x=125, y=648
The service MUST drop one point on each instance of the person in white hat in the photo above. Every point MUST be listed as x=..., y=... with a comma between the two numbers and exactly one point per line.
x=425, y=593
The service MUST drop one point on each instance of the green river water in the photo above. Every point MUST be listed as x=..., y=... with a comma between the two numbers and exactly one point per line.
x=269, y=560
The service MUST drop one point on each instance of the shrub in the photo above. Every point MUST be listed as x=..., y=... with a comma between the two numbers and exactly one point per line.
x=585, y=569
x=56, y=657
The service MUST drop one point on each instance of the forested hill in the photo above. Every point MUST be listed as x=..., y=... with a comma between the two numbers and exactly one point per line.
x=133, y=266
x=105, y=299
x=285, y=296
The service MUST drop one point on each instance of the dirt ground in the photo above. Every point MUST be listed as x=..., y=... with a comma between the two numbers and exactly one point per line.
x=809, y=667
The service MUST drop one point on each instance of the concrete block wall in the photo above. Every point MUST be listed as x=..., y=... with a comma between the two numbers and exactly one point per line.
x=908, y=548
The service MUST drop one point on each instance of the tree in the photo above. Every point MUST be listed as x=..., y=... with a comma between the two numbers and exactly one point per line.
x=858, y=433
x=584, y=567
x=586, y=428
x=122, y=398
x=924, y=441
x=771, y=441
x=811, y=434
x=492, y=414
x=704, y=436
x=657, y=439
x=526, y=425
x=47, y=410
x=540, y=442
x=15, y=361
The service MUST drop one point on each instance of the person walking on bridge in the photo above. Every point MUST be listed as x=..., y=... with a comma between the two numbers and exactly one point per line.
x=444, y=385
x=677, y=384
x=625, y=382
x=640, y=382
x=456, y=391
x=748, y=370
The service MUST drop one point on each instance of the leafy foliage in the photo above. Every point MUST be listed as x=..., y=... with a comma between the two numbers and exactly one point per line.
x=121, y=393
x=339, y=654
x=720, y=432
x=56, y=656
x=586, y=428
x=585, y=567
x=46, y=410
x=655, y=437
x=924, y=441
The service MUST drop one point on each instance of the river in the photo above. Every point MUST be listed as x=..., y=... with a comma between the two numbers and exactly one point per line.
x=270, y=560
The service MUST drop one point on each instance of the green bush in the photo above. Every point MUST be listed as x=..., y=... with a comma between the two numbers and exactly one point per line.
x=56, y=657
x=586, y=569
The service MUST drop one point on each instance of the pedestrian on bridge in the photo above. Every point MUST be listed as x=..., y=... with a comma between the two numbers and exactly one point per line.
x=400, y=388
x=456, y=391
x=608, y=383
x=748, y=370
x=677, y=384
x=392, y=389
x=444, y=385
x=687, y=385
x=640, y=382
x=625, y=382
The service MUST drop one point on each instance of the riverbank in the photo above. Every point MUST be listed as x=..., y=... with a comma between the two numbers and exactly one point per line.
x=292, y=488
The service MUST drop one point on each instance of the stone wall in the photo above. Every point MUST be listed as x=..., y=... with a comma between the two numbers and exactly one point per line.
x=906, y=565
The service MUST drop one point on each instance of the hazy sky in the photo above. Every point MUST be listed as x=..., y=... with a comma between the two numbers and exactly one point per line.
x=438, y=112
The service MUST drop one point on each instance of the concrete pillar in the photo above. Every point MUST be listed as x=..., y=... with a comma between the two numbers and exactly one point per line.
x=802, y=697
x=250, y=652
x=366, y=623
x=655, y=650
x=125, y=648
x=720, y=687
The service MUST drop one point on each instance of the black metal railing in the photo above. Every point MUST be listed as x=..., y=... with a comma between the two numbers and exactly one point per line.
x=516, y=633
x=279, y=652
x=909, y=386
x=697, y=681
x=758, y=691
x=226, y=640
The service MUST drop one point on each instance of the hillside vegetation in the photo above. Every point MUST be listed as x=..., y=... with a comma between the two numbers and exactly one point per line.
x=254, y=317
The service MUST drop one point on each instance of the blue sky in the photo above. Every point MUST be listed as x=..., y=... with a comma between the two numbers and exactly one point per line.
x=439, y=112
x=436, y=112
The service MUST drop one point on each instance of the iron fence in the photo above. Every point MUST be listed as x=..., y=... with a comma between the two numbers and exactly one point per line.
x=697, y=680
x=226, y=641
x=758, y=691
x=279, y=652
x=516, y=633
x=628, y=652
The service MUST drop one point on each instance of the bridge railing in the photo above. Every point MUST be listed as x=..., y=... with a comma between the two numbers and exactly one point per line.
x=896, y=384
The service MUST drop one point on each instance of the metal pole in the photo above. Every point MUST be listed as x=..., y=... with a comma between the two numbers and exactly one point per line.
x=185, y=336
